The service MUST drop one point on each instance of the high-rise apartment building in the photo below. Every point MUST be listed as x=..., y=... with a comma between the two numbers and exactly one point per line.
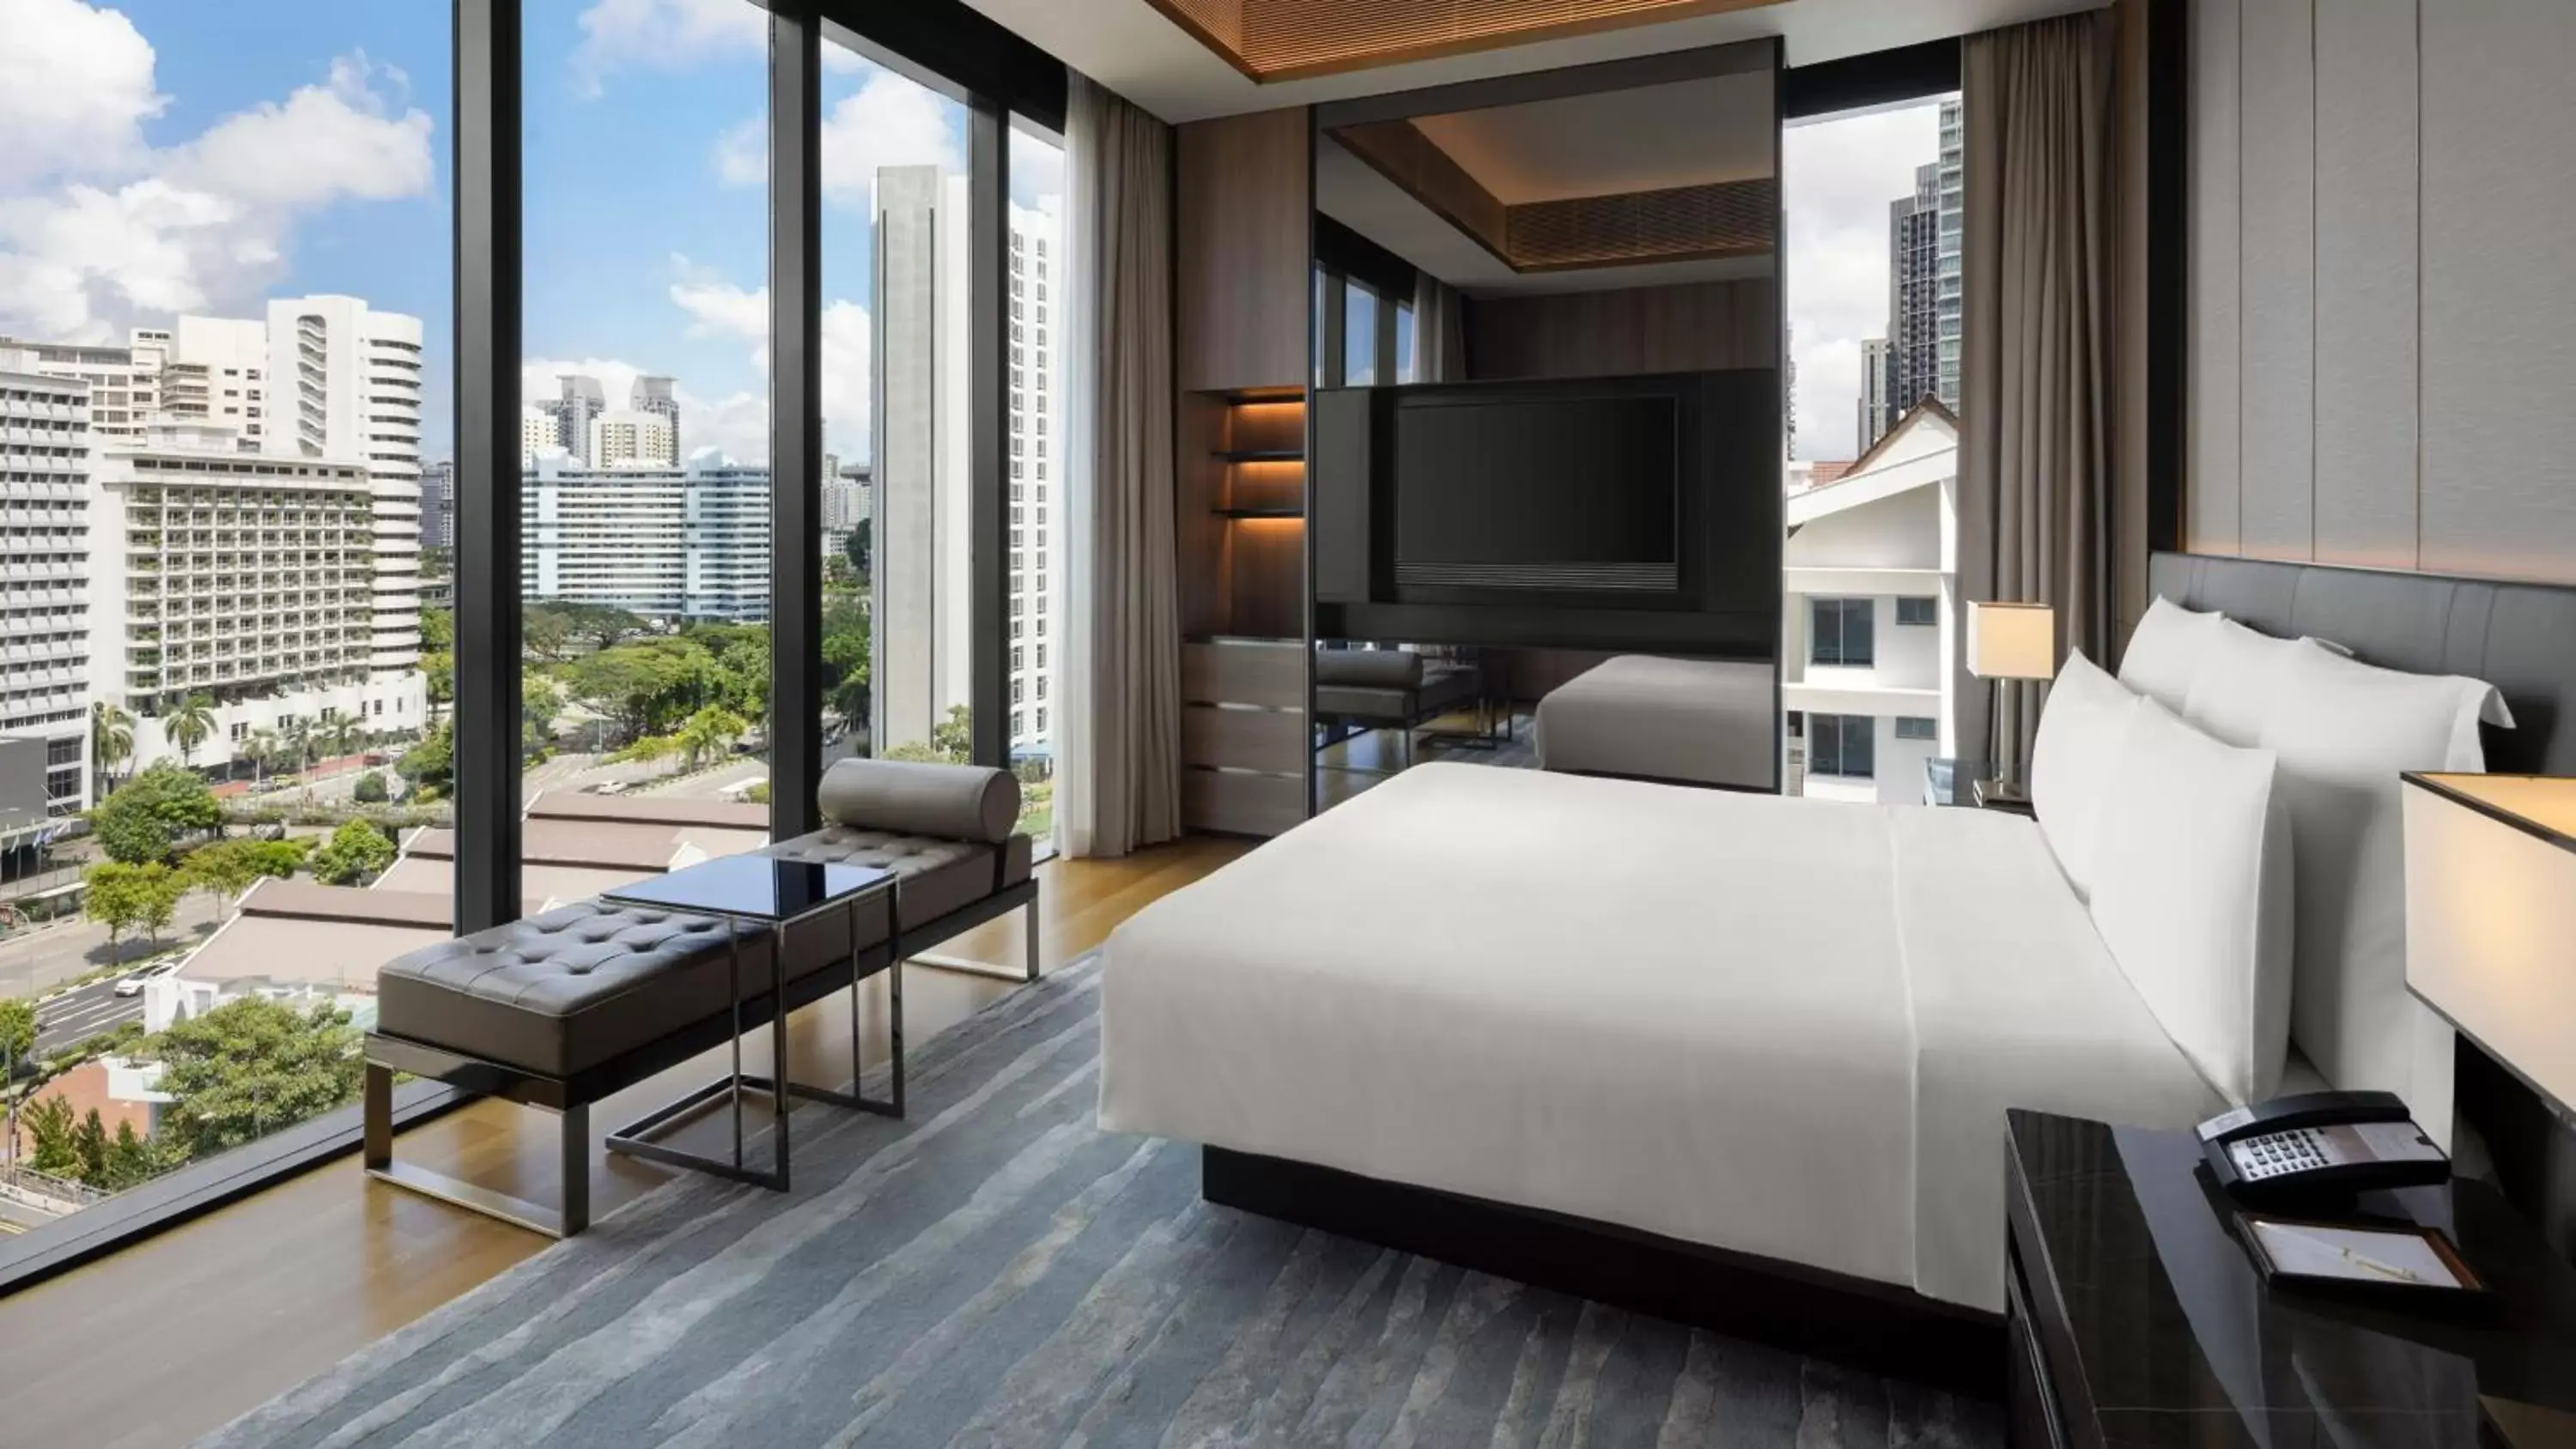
x=1924, y=234
x=249, y=578
x=580, y=400
x=539, y=429
x=44, y=572
x=917, y=494
x=659, y=396
x=845, y=498
x=921, y=515
x=1032, y=411
x=1874, y=419
x=629, y=439
x=438, y=505
x=668, y=543
x=124, y=382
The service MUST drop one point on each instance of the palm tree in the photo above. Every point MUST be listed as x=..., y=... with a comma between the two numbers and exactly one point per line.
x=188, y=723
x=299, y=742
x=264, y=750
x=707, y=730
x=111, y=739
x=340, y=735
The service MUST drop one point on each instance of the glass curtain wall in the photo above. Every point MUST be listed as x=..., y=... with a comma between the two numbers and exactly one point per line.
x=898, y=638
x=645, y=439
x=224, y=449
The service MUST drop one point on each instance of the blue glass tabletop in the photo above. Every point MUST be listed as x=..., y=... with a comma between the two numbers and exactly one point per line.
x=757, y=887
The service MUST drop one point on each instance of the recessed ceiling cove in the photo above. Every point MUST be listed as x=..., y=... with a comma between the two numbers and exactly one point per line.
x=1273, y=40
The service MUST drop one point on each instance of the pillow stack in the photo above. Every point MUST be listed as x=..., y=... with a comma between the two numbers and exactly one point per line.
x=2253, y=844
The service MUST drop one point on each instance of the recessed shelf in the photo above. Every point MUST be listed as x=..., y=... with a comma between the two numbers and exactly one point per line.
x=1263, y=455
x=1259, y=512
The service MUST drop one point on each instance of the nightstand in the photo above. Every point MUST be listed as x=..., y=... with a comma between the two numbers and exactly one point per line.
x=1962, y=781
x=2133, y=1318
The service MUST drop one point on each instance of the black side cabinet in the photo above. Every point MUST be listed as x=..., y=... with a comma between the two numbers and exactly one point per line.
x=2134, y=1319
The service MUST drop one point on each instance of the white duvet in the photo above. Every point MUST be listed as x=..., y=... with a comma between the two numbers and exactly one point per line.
x=1779, y=1026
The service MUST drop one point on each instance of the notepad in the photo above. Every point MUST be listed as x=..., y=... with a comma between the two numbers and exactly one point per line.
x=2353, y=1254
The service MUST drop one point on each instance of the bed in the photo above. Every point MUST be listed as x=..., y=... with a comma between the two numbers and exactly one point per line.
x=1732, y=1058
x=1824, y=1093
x=1640, y=716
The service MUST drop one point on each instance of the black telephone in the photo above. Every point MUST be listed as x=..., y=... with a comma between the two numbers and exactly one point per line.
x=2319, y=1146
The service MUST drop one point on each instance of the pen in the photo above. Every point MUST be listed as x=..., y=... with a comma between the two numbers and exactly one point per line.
x=2376, y=1266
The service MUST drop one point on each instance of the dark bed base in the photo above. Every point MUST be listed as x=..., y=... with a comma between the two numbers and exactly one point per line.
x=1853, y=1321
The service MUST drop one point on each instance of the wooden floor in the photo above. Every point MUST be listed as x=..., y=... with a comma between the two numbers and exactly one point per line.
x=178, y=1334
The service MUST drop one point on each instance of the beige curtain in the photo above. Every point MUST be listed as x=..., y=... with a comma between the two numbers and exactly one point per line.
x=1439, y=331
x=1118, y=771
x=2035, y=390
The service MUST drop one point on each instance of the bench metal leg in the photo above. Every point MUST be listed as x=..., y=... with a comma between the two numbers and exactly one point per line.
x=636, y=1138
x=851, y=1100
x=1029, y=942
x=573, y=1125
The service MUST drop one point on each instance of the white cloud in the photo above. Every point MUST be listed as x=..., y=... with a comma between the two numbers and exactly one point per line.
x=663, y=35
x=113, y=232
x=1839, y=177
x=888, y=121
x=75, y=90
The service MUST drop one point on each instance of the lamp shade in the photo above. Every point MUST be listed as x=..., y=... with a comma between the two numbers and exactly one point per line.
x=2491, y=916
x=2012, y=641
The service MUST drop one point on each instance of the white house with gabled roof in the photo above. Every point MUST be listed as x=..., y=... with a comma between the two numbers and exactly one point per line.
x=1871, y=575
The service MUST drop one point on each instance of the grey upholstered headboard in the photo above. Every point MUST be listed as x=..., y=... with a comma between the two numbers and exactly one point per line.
x=2521, y=638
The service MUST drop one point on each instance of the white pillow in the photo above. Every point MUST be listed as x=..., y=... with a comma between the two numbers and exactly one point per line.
x=2071, y=761
x=2192, y=894
x=2343, y=731
x=2166, y=651
x=2240, y=671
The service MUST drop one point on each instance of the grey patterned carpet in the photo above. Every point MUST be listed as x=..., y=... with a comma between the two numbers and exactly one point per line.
x=996, y=1271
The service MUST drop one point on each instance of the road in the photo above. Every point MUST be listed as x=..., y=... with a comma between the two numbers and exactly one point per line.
x=83, y=1012
x=36, y=961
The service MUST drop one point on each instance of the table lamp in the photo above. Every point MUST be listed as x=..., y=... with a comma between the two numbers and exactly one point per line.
x=2490, y=908
x=2011, y=642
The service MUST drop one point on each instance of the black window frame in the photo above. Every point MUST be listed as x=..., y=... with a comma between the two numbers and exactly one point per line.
x=943, y=43
x=1928, y=607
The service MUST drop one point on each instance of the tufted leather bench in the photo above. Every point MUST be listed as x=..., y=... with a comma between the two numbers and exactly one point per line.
x=561, y=1009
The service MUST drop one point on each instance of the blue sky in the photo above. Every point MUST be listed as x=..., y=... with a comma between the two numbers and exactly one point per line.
x=185, y=155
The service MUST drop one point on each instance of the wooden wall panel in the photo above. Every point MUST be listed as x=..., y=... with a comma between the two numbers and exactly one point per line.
x=2210, y=505
x=1694, y=327
x=2499, y=312
x=2365, y=283
x=1244, y=739
x=2277, y=254
x=1241, y=208
x=1245, y=673
x=1242, y=804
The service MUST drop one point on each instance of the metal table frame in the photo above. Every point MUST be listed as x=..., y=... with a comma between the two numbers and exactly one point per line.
x=636, y=1138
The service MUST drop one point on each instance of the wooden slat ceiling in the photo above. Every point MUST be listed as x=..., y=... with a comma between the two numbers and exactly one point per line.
x=1272, y=40
x=1680, y=223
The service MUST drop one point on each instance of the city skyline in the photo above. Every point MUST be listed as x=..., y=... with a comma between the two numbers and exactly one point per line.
x=219, y=156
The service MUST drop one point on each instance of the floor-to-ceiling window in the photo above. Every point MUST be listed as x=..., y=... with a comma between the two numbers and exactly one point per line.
x=1873, y=203
x=898, y=640
x=1036, y=465
x=225, y=403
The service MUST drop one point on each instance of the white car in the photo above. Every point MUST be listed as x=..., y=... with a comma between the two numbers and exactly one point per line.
x=133, y=985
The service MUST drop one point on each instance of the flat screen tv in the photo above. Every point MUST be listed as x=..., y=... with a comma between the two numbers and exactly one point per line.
x=1581, y=491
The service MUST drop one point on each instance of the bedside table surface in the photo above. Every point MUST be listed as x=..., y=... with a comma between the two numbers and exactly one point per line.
x=2160, y=1330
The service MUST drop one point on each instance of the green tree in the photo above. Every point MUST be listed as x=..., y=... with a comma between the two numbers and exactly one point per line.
x=264, y=750
x=298, y=734
x=111, y=741
x=644, y=686
x=371, y=789
x=279, y=858
x=128, y=1160
x=253, y=1065
x=356, y=853
x=89, y=1146
x=431, y=764
x=188, y=722
x=845, y=656
x=540, y=700
x=156, y=808
x=52, y=1135
x=438, y=655
x=17, y=1036
x=114, y=897
x=650, y=750
x=224, y=869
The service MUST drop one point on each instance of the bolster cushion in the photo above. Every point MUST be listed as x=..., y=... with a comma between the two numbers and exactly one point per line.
x=951, y=802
